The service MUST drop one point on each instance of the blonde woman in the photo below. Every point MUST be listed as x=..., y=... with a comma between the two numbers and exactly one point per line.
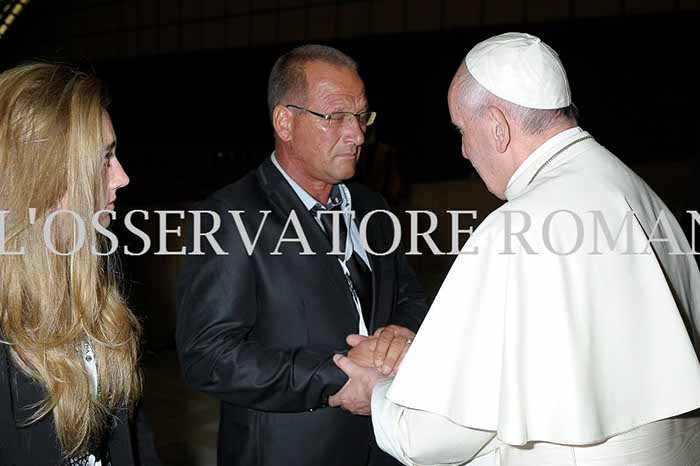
x=69, y=376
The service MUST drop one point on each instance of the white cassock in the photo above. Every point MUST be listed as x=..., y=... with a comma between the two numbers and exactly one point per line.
x=531, y=357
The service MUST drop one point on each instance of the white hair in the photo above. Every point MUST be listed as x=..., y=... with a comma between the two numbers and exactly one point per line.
x=530, y=120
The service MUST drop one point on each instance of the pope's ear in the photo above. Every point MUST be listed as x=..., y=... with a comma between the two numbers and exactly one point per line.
x=282, y=121
x=500, y=129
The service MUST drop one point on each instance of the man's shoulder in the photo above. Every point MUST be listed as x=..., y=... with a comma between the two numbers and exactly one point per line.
x=242, y=194
x=364, y=196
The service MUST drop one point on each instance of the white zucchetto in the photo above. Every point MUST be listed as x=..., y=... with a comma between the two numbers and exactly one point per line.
x=521, y=69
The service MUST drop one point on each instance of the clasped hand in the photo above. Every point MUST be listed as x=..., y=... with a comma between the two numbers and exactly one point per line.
x=370, y=360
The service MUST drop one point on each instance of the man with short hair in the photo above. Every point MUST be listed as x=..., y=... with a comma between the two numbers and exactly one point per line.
x=258, y=329
x=567, y=333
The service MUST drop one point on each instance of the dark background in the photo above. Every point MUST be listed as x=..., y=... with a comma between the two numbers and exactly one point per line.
x=188, y=85
x=192, y=119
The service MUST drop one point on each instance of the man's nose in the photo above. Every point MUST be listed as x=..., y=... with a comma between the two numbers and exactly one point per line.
x=356, y=132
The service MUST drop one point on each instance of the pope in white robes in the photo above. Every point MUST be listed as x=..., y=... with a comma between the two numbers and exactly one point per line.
x=566, y=332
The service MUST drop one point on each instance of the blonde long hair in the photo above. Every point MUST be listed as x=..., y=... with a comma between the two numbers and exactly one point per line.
x=51, y=155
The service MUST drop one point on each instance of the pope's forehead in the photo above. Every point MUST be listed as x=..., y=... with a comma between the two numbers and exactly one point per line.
x=454, y=91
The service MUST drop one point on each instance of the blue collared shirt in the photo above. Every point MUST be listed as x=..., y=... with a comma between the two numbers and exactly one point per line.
x=346, y=202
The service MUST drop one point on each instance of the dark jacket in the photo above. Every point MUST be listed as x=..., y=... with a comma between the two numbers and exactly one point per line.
x=259, y=331
x=36, y=444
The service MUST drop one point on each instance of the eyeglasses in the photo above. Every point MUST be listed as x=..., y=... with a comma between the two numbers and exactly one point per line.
x=342, y=118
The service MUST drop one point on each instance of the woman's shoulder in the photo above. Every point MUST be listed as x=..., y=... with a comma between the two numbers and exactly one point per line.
x=21, y=443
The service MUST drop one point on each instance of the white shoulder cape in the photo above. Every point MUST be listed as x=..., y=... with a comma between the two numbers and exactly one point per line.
x=569, y=349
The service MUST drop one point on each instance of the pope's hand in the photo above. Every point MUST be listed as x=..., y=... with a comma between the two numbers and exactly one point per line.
x=356, y=394
x=384, y=350
x=393, y=342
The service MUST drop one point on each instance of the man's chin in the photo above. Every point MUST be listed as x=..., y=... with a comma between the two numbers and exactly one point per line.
x=345, y=166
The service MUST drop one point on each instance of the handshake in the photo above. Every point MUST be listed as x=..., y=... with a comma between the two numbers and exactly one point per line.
x=370, y=361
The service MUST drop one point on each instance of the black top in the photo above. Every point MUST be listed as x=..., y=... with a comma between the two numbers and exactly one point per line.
x=36, y=444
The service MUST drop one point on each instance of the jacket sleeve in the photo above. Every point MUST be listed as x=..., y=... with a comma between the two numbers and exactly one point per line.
x=216, y=310
x=411, y=306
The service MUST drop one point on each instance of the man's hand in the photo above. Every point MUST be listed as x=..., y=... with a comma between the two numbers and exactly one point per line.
x=362, y=351
x=356, y=394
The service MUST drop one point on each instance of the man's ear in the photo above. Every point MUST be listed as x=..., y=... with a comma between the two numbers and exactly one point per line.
x=282, y=122
x=500, y=129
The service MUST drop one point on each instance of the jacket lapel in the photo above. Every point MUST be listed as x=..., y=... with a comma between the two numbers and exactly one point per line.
x=285, y=200
x=26, y=394
x=374, y=261
x=120, y=445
